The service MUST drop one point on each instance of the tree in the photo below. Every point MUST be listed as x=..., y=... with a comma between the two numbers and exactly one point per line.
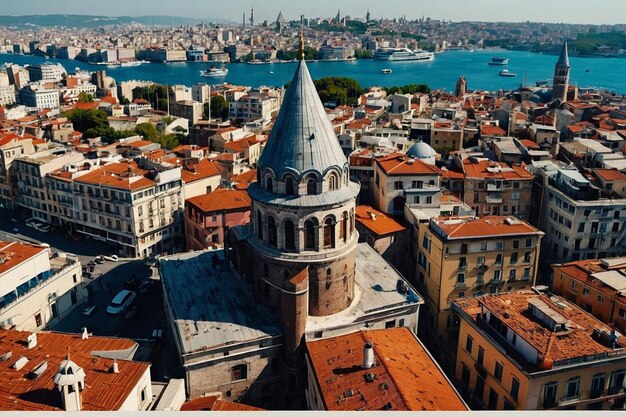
x=84, y=120
x=148, y=131
x=84, y=97
x=219, y=108
x=341, y=90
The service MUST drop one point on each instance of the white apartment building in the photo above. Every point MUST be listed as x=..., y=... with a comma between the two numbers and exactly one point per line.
x=46, y=72
x=7, y=95
x=260, y=104
x=37, y=97
x=36, y=289
x=11, y=146
x=581, y=221
x=201, y=93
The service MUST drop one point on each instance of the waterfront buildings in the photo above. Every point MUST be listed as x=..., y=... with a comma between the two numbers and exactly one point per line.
x=529, y=351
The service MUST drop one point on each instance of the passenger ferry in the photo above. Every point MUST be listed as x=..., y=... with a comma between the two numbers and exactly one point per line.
x=499, y=61
x=386, y=70
x=506, y=73
x=215, y=72
x=402, y=54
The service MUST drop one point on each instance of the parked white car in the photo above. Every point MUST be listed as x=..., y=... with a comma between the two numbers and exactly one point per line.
x=121, y=302
x=112, y=258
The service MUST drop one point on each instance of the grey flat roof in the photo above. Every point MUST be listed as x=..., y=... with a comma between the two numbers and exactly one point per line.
x=614, y=279
x=375, y=290
x=212, y=308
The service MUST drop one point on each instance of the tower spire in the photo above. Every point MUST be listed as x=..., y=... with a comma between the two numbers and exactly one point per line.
x=301, y=49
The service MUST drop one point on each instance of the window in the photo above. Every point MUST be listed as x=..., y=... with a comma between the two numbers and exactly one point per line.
x=585, y=292
x=259, y=224
x=38, y=320
x=465, y=376
x=571, y=389
x=516, y=244
x=622, y=313
x=481, y=355
x=309, y=235
x=527, y=257
x=290, y=235
x=271, y=231
x=429, y=200
x=332, y=183
x=498, y=259
x=468, y=344
x=239, y=372
x=480, y=261
x=460, y=278
x=526, y=273
x=600, y=298
x=493, y=399
x=416, y=199
x=483, y=246
x=512, y=273
x=480, y=278
x=289, y=188
x=497, y=372
x=269, y=186
x=398, y=185
x=616, y=382
x=549, y=394
x=514, y=388
x=597, y=385
x=343, y=231
x=514, y=258
x=426, y=242
x=329, y=233
x=462, y=262
x=311, y=187
x=479, y=388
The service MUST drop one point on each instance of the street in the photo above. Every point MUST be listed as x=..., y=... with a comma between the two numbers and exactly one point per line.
x=105, y=281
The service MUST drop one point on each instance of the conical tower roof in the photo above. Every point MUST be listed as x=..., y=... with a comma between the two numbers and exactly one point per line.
x=302, y=138
x=564, y=57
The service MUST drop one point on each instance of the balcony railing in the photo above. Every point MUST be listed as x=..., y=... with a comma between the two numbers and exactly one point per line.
x=569, y=400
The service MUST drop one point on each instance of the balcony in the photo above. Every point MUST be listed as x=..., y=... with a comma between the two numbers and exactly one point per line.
x=493, y=198
x=494, y=187
x=569, y=400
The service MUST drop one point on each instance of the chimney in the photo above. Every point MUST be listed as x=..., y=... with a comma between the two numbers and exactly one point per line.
x=84, y=335
x=32, y=341
x=368, y=355
x=115, y=369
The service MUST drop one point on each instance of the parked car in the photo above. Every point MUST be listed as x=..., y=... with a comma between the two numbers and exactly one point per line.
x=43, y=228
x=89, y=310
x=121, y=302
x=99, y=259
x=112, y=258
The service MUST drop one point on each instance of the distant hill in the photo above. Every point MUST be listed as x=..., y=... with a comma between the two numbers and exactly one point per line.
x=83, y=21
x=592, y=43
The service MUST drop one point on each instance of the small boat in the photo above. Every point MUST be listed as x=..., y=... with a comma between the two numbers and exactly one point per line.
x=587, y=70
x=215, y=72
x=386, y=71
x=499, y=61
x=131, y=64
x=270, y=72
x=506, y=73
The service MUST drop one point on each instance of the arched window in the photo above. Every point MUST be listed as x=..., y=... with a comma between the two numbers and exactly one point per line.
x=351, y=222
x=311, y=187
x=309, y=235
x=343, y=231
x=271, y=231
x=290, y=235
x=332, y=182
x=269, y=186
x=329, y=233
x=289, y=188
x=259, y=224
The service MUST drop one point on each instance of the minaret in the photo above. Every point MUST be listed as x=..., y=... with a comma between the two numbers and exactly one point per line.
x=252, y=16
x=244, y=20
x=303, y=237
x=561, y=76
x=461, y=87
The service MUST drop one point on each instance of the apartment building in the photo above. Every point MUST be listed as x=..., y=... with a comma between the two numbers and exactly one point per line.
x=137, y=207
x=596, y=285
x=7, y=95
x=38, y=97
x=12, y=146
x=530, y=351
x=467, y=256
x=495, y=188
x=400, y=179
x=37, y=290
x=260, y=105
x=582, y=220
x=46, y=72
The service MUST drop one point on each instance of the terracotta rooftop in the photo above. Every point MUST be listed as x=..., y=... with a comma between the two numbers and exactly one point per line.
x=610, y=174
x=215, y=403
x=104, y=390
x=201, y=170
x=14, y=253
x=377, y=221
x=86, y=106
x=248, y=176
x=404, y=375
x=513, y=311
x=485, y=169
x=221, y=199
x=400, y=164
x=488, y=130
x=487, y=226
x=117, y=175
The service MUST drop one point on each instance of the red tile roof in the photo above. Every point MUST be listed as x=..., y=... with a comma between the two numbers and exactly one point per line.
x=221, y=199
x=202, y=170
x=377, y=221
x=104, y=390
x=14, y=253
x=86, y=106
x=400, y=164
x=610, y=174
x=248, y=176
x=117, y=175
x=487, y=226
x=512, y=309
x=487, y=130
x=484, y=169
x=406, y=378
x=215, y=403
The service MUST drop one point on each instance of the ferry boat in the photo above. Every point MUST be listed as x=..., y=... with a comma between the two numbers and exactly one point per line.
x=499, y=61
x=215, y=72
x=402, y=54
x=506, y=73
x=131, y=64
x=386, y=70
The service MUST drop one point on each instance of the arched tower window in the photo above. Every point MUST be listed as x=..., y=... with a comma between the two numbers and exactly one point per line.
x=289, y=188
x=351, y=222
x=343, y=231
x=290, y=235
x=259, y=224
x=311, y=186
x=309, y=234
x=332, y=182
x=329, y=233
x=271, y=231
x=269, y=186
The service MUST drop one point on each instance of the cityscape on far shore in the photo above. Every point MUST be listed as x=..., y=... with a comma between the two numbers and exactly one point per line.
x=339, y=213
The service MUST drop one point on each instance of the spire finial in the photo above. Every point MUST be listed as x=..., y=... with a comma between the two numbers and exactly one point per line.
x=301, y=54
x=68, y=353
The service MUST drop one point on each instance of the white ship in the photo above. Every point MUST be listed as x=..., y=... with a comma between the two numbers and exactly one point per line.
x=214, y=72
x=402, y=54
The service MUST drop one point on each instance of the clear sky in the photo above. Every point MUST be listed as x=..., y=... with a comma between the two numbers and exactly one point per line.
x=562, y=11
